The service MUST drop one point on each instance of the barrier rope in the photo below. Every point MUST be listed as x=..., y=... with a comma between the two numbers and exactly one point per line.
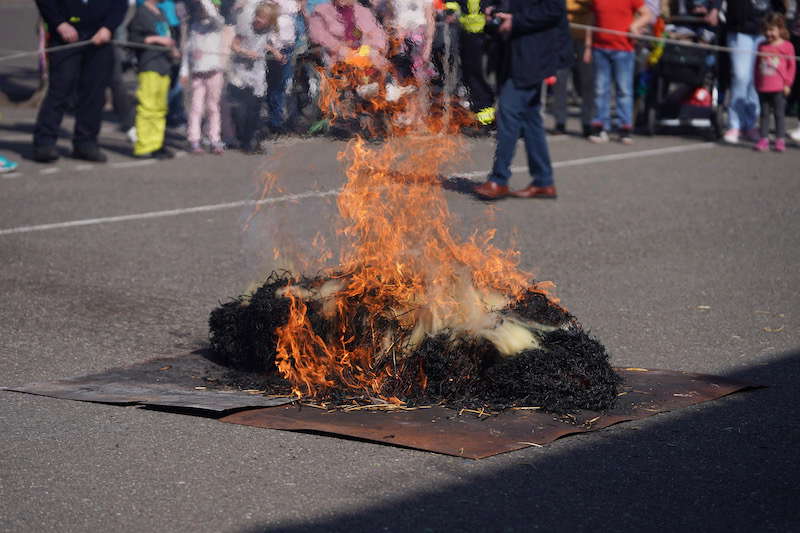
x=585, y=27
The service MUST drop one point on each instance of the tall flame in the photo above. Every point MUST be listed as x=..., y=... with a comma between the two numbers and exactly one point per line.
x=404, y=275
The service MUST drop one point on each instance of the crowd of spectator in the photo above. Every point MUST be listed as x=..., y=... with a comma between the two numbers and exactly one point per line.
x=248, y=66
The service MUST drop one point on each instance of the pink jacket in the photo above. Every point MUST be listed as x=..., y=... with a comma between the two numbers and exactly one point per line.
x=326, y=29
x=773, y=73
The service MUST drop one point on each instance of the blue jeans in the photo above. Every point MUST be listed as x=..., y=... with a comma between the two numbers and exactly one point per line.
x=619, y=64
x=743, y=109
x=278, y=76
x=518, y=115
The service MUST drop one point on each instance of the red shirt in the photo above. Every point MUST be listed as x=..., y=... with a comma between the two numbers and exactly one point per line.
x=773, y=73
x=614, y=15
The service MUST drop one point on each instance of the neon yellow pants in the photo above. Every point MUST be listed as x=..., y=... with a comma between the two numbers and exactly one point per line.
x=151, y=112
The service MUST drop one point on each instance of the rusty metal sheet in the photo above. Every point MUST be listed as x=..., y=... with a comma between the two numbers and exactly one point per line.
x=190, y=381
x=186, y=381
x=442, y=430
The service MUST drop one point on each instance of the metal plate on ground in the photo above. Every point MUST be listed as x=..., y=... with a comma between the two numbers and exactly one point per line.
x=188, y=381
x=442, y=430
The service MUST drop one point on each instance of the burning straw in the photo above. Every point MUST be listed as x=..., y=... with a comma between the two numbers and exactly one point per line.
x=413, y=314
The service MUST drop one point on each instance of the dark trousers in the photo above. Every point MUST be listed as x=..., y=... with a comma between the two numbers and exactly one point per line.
x=583, y=80
x=519, y=115
x=246, y=111
x=278, y=76
x=86, y=70
x=773, y=104
x=472, y=50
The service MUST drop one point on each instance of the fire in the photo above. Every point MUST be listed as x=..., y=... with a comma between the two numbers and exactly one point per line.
x=404, y=275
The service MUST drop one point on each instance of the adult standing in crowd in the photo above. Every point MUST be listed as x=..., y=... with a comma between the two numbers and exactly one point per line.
x=537, y=34
x=614, y=59
x=86, y=68
x=743, y=20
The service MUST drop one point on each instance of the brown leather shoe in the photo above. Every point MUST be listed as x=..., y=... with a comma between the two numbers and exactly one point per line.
x=532, y=191
x=491, y=190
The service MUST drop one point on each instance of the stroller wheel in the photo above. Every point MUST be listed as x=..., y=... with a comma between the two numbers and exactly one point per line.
x=718, y=121
x=651, y=124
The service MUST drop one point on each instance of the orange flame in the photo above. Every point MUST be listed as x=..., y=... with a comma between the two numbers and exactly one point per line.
x=403, y=275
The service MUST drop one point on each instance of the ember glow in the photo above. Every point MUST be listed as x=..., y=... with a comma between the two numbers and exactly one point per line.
x=404, y=275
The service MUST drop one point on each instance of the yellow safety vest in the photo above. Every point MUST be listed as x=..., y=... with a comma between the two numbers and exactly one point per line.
x=473, y=20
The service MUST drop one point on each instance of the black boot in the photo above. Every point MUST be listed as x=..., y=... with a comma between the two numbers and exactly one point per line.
x=45, y=154
x=89, y=152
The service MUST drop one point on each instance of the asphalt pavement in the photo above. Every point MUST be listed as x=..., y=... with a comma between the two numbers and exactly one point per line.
x=675, y=252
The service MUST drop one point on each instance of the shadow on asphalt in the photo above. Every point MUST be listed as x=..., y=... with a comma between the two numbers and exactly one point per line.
x=727, y=465
x=18, y=83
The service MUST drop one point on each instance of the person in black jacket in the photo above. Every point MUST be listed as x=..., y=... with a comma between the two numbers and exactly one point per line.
x=538, y=46
x=85, y=68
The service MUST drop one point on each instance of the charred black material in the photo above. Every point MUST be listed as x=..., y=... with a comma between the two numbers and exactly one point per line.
x=538, y=307
x=242, y=331
x=571, y=372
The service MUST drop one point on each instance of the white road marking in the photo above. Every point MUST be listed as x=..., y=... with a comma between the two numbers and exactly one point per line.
x=11, y=175
x=603, y=158
x=51, y=170
x=170, y=212
x=81, y=168
x=128, y=164
x=320, y=194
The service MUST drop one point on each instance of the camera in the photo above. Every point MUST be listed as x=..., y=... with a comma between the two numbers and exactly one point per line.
x=493, y=24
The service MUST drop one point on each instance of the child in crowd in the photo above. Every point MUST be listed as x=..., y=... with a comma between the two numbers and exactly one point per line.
x=248, y=69
x=613, y=56
x=413, y=26
x=149, y=26
x=774, y=77
x=281, y=38
x=203, y=66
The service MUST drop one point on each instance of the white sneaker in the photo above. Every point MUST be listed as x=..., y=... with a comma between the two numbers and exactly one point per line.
x=599, y=137
x=131, y=134
x=731, y=136
x=795, y=134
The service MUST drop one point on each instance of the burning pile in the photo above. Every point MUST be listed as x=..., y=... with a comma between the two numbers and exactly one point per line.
x=413, y=314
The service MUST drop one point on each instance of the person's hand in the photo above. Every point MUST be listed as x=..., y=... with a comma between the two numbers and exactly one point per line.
x=787, y=90
x=185, y=82
x=712, y=19
x=505, y=23
x=252, y=54
x=174, y=52
x=102, y=36
x=278, y=56
x=67, y=32
x=587, y=54
x=488, y=12
x=160, y=41
x=636, y=29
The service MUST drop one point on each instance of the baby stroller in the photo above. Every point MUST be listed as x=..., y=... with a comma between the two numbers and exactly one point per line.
x=683, y=89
